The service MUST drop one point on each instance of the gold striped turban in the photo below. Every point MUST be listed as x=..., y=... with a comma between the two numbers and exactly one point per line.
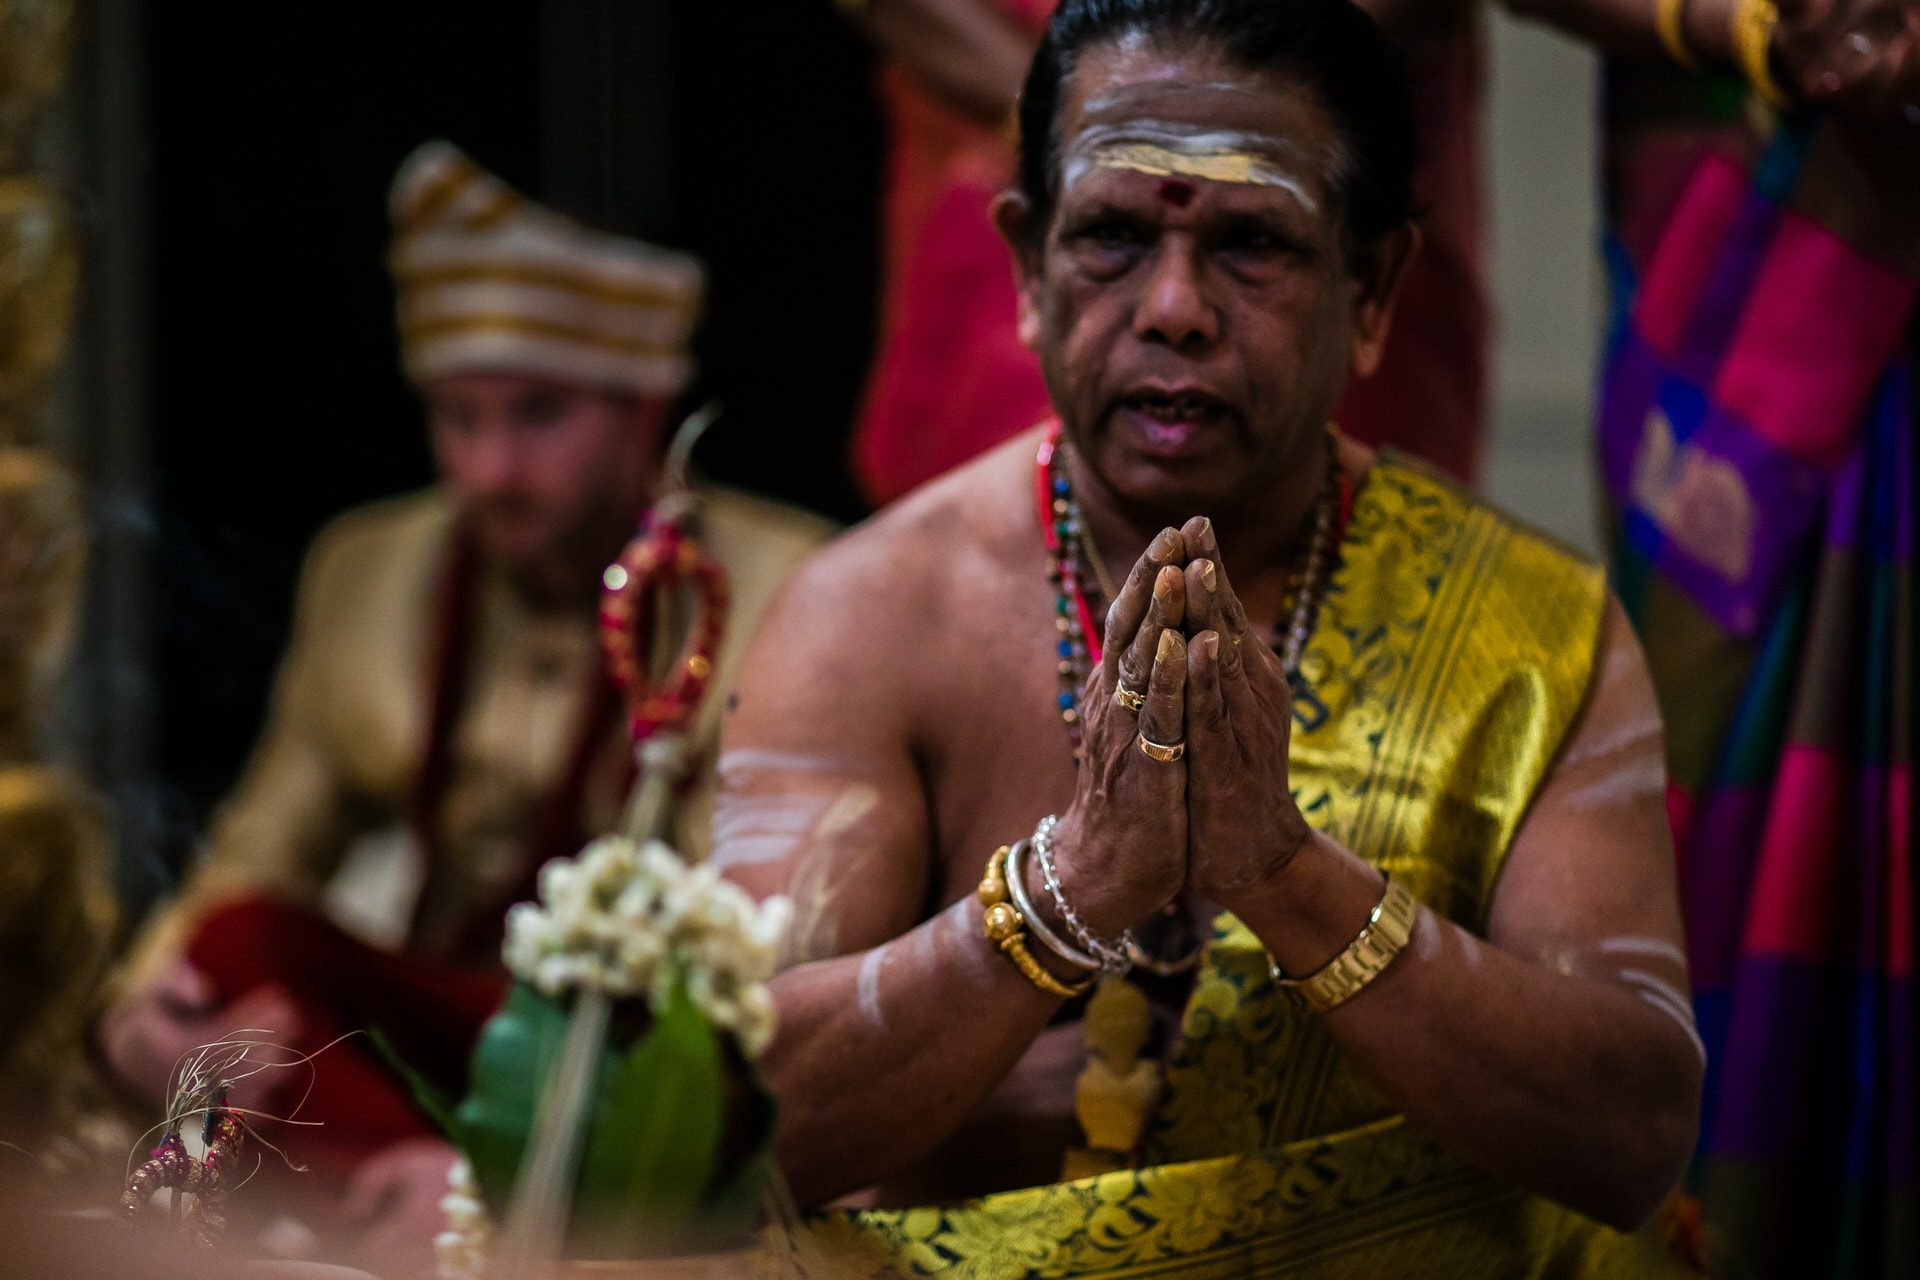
x=490, y=282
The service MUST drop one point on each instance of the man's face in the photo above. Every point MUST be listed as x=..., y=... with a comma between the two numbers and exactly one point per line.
x=1191, y=300
x=538, y=469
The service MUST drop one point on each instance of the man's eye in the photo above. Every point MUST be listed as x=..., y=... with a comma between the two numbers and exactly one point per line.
x=1108, y=233
x=449, y=417
x=541, y=410
x=1253, y=240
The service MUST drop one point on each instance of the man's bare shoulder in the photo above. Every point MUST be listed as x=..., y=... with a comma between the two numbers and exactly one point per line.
x=931, y=549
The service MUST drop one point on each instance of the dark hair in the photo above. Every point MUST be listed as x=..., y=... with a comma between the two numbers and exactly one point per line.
x=1328, y=46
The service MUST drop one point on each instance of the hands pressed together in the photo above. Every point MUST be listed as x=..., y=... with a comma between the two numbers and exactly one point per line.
x=1217, y=820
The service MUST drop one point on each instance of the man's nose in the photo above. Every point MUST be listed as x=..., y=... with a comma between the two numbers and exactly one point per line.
x=493, y=460
x=1175, y=308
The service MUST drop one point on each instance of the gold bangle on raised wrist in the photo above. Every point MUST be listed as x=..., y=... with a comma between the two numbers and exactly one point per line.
x=1006, y=929
x=1379, y=942
x=1669, y=20
x=1751, y=27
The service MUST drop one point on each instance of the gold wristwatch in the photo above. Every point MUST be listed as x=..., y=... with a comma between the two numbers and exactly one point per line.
x=1383, y=937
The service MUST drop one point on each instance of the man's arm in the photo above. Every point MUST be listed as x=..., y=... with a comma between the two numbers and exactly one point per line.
x=1858, y=57
x=288, y=823
x=283, y=831
x=891, y=1026
x=1560, y=1052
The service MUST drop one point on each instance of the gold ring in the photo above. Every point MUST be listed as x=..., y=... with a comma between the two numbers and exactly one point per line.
x=1129, y=699
x=1164, y=752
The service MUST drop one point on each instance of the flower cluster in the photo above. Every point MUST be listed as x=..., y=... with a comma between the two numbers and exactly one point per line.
x=633, y=920
x=461, y=1250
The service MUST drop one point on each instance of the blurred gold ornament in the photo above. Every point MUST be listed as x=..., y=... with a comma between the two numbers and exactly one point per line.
x=36, y=50
x=39, y=283
x=57, y=919
x=42, y=558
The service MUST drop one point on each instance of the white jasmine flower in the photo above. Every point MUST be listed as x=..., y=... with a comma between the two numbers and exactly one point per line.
x=460, y=1252
x=637, y=921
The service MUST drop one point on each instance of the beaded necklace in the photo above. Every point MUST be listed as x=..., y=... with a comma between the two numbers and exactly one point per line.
x=1070, y=551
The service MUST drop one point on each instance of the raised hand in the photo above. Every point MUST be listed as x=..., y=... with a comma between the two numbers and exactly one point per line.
x=1121, y=847
x=1243, y=826
x=1858, y=56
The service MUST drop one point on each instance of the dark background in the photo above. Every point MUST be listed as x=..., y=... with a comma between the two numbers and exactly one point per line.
x=745, y=133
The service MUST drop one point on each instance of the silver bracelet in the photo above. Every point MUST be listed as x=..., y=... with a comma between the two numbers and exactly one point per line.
x=1041, y=931
x=1112, y=956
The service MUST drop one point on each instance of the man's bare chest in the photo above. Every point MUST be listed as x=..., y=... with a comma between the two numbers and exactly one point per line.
x=1000, y=759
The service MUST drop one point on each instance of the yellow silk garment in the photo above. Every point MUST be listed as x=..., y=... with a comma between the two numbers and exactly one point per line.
x=1451, y=657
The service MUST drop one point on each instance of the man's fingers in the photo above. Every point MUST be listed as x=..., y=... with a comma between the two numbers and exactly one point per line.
x=1129, y=609
x=1203, y=596
x=1163, y=718
x=184, y=989
x=1206, y=703
x=1167, y=610
x=267, y=1013
x=1229, y=618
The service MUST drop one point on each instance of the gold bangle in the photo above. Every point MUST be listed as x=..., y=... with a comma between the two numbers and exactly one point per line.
x=1006, y=929
x=1669, y=20
x=1751, y=28
x=1380, y=940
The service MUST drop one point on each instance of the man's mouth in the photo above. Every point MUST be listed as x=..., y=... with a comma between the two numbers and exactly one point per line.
x=1171, y=421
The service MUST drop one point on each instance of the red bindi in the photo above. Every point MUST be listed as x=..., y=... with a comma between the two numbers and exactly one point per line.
x=1176, y=193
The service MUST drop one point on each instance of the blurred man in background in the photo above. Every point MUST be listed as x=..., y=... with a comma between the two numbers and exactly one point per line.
x=445, y=679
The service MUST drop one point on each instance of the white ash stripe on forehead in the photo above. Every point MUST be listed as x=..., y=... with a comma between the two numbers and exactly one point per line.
x=1174, y=150
x=1137, y=95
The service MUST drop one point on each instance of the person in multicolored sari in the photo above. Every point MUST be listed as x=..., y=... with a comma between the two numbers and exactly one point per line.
x=1756, y=429
x=1216, y=849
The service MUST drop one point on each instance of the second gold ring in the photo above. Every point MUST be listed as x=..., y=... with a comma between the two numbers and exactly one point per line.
x=1164, y=752
x=1129, y=699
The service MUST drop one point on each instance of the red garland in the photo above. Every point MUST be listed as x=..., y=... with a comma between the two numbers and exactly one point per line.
x=658, y=560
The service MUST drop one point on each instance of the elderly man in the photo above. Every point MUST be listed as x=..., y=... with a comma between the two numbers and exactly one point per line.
x=445, y=677
x=1345, y=800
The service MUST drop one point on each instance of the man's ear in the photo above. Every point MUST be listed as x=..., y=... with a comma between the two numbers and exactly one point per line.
x=1015, y=218
x=1379, y=293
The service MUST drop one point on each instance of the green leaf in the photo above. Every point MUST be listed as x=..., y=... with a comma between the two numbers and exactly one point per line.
x=516, y=1050
x=652, y=1152
x=428, y=1096
x=657, y=1131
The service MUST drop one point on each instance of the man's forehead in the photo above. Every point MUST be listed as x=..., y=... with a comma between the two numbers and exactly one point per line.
x=1187, y=118
x=1135, y=83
